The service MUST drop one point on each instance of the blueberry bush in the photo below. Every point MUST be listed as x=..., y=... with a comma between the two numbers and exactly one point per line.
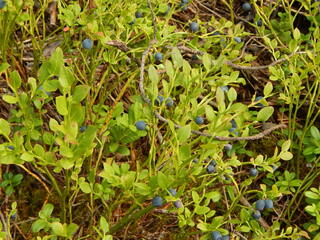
x=159, y=119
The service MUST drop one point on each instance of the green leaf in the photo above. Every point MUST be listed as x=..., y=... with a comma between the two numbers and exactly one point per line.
x=59, y=229
x=315, y=133
x=3, y=67
x=85, y=187
x=10, y=99
x=27, y=157
x=46, y=211
x=201, y=210
x=104, y=225
x=163, y=181
x=15, y=80
x=38, y=225
x=184, y=133
x=80, y=92
x=185, y=152
x=207, y=62
x=232, y=94
x=4, y=127
x=286, y=156
x=265, y=113
x=71, y=228
x=169, y=69
x=267, y=89
x=65, y=151
x=176, y=57
x=153, y=75
x=61, y=105
x=66, y=163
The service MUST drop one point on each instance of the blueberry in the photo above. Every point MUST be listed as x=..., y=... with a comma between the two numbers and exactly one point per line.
x=232, y=129
x=233, y=123
x=260, y=204
x=274, y=167
x=172, y=192
x=210, y=169
x=215, y=33
x=213, y=163
x=41, y=88
x=196, y=160
x=225, y=237
x=246, y=7
x=178, y=204
x=194, y=57
x=238, y=40
x=157, y=201
x=169, y=102
x=87, y=43
x=224, y=88
x=158, y=56
x=141, y=125
x=269, y=203
x=199, y=120
x=259, y=23
x=187, y=1
x=11, y=147
x=215, y=235
x=132, y=22
x=159, y=100
x=2, y=4
x=194, y=27
x=138, y=14
x=183, y=6
x=256, y=214
x=168, y=10
x=258, y=99
x=228, y=147
x=83, y=128
x=253, y=172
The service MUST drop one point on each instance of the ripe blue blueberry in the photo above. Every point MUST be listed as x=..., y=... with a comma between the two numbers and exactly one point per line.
x=11, y=147
x=83, y=128
x=232, y=129
x=141, y=125
x=194, y=57
x=253, y=172
x=169, y=102
x=246, y=7
x=158, y=56
x=41, y=88
x=168, y=10
x=259, y=23
x=260, y=204
x=199, y=120
x=2, y=4
x=194, y=27
x=186, y=1
x=183, y=6
x=258, y=99
x=172, y=192
x=215, y=33
x=213, y=163
x=159, y=100
x=233, y=123
x=225, y=237
x=210, y=169
x=138, y=14
x=157, y=201
x=269, y=203
x=132, y=22
x=178, y=204
x=274, y=167
x=224, y=88
x=196, y=160
x=238, y=40
x=216, y=235
x=87, y=43
x=228, y=147
x=256, y=214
